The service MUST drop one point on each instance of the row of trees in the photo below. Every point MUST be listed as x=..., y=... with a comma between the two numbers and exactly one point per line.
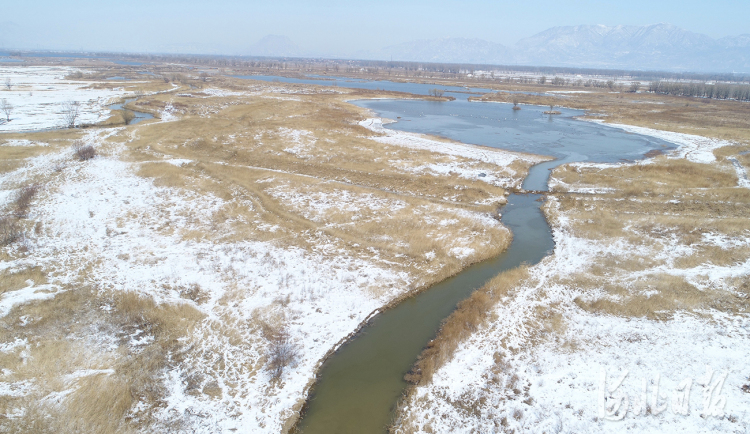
x=737, y=92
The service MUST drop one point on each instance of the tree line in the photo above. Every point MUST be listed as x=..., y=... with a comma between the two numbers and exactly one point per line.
x=738, y=92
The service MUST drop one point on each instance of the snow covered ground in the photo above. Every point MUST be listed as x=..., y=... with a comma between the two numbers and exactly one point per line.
x=100, y=213
x=97, y=224
x=543, y=364
x=697, y=149
x=38, y=93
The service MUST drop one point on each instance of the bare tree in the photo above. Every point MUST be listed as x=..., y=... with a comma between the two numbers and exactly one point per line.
x=282, y=351
x=634, y=86
x=203, y=76
x=6, y=108
x=436, y=92
x=515, y=104
x=70, y=111
x=8, y=83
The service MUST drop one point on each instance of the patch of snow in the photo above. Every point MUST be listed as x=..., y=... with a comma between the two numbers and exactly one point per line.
x=105, y=225
x=15, y=389
x=22, y=142
x=303, y=141
x=179, y=161
x=167, y=115
x=39, y=92
x=11, y=299
x=461, y=252
x=697, y=149
x=742, y=180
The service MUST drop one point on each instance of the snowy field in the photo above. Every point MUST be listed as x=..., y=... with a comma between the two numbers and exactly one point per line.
x=602, y=373
x=100, y=213
x=38, y=95
x=97, y=224
x=544, y=364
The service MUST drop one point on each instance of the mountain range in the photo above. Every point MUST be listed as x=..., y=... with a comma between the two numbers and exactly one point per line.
x=653, y=47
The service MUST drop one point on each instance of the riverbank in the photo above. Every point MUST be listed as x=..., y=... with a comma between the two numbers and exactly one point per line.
x=648, y=283
x=197, y=270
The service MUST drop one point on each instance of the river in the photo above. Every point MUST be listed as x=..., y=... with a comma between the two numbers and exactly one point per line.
x=360, y=384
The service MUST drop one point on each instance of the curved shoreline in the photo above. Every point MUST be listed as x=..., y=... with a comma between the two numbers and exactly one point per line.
x=487, y=267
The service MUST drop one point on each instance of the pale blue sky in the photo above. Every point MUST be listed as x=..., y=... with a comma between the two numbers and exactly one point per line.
x=332, y=27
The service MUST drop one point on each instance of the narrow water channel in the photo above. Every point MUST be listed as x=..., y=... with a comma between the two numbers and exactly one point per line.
x=359, y=385
x=139, y=116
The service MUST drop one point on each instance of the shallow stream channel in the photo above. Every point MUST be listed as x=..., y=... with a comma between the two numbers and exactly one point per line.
x=359, y=385
x=138, y=116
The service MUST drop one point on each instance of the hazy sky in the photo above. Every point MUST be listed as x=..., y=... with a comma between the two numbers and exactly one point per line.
x=332, y=27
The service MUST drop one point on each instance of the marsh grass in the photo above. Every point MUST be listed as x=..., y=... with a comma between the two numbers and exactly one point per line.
x=469, y=316
x=101, y=381
x=237, y=148
x=652, y=211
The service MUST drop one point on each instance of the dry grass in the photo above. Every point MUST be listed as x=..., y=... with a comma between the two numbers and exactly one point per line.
x=240, y=152
x=662, y=177
x=266, y=157
x=654, y=209
x=17, y=279
x=465, y=320
x=99, y=380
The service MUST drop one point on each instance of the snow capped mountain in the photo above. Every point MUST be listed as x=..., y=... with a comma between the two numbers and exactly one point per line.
x=656, y=46
x=742, y=41
x=659, y=46
x=587, y=40
x=653, y=47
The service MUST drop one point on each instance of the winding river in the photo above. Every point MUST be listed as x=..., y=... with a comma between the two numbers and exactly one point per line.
x=138, y=116
x=360, y=384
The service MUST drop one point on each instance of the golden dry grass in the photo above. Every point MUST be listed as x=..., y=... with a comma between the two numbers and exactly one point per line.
x=96, y=381
x=237, y=149
x=241, y=149
x=469, y=315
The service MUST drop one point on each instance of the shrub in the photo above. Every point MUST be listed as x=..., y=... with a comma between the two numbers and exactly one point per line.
x=9, y=231
x=83, y=151
x=23, y=199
